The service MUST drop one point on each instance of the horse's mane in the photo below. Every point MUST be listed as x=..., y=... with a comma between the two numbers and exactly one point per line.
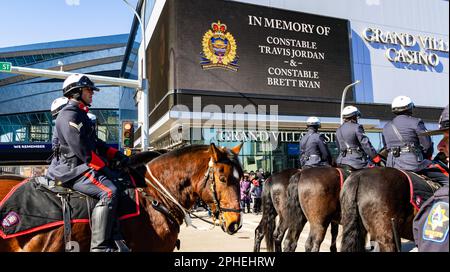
x=187, y=149
x=140, y=159
x=198, y=148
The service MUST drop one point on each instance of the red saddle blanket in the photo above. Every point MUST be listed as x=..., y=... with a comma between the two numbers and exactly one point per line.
x=30, y=206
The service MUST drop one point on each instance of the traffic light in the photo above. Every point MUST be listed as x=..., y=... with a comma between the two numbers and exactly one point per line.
x=127, y=134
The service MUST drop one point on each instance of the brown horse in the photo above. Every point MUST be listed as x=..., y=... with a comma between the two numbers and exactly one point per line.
x=370, y=199
x=176, y=180
x=317, y=190
x=274, y=203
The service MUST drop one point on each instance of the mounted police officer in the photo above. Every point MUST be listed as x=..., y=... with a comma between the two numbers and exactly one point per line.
x=83, y=161
x=57, y=105
x=354, y=146
x=431, y=224
x=408, y=148
x=314, y=151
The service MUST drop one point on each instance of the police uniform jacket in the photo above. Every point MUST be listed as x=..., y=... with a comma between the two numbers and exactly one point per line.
x=80, y=148
x=431, y=224
x=414, y=149
x=359, y=148
x=313, y=150
x=55, y=159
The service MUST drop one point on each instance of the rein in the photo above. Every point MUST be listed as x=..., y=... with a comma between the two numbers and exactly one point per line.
x=167, y=194
x=209, y=176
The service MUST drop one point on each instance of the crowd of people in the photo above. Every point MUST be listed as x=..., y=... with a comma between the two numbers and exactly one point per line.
x=251, y=186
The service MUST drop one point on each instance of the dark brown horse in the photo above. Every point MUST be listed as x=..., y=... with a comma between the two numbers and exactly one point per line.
x=317, y=191
x=370, y=199
x=274, y=203
x=175, y=179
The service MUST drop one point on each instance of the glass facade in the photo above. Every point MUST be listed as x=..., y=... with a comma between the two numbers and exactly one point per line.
x=37, y=127
x=32, y=59
x=256, y=153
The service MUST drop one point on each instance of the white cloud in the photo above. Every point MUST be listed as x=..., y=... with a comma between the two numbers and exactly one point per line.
x=373, y=2
x=73, y=2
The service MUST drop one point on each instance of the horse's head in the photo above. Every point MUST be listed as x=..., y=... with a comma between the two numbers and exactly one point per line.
x=221, y=186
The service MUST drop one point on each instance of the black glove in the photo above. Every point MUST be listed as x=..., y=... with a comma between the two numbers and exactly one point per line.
x=110, y=173
x=120, y=161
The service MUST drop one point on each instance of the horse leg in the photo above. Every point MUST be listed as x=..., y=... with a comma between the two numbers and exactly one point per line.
x=279, y=234
x=334, y=234
x=259, y=235
x=315, y=238
x=290, y=243
x=382, y=234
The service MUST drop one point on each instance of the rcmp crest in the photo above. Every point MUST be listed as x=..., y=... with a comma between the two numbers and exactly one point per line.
x=219, y=49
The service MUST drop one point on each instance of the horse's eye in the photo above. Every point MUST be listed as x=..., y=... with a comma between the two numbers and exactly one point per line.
x=222, y=179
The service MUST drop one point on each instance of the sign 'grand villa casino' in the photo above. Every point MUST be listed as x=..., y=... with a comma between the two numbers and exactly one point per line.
x=224, y=46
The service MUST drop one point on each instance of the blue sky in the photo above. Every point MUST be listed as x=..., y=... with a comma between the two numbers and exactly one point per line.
x=35, y=21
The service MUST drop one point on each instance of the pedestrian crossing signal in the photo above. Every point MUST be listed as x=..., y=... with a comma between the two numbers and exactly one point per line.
x=127, y=134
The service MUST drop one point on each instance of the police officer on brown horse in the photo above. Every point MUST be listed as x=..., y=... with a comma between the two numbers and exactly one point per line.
x=355, y=148
x=83, y=159
x=409, y=149
x=314, y=151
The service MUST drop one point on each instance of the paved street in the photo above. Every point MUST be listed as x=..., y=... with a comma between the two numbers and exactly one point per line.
x=207, y=238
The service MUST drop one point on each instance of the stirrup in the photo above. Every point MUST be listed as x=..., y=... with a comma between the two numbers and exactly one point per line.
x=121, y=246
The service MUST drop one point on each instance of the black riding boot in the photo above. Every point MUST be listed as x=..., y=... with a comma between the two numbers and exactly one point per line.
x=118, y=238
x=102, y=226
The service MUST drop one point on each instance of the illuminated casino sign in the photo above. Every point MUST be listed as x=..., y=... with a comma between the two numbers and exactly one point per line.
x=407, y=48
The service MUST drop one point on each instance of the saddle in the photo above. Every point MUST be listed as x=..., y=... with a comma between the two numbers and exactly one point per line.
x=421, y=188
x=38, y=203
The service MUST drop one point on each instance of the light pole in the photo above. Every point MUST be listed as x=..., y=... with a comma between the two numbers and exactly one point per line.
x=143, y=102
x=344, y=93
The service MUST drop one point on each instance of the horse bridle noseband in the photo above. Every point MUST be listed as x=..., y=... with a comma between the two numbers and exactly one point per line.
x=209, y=176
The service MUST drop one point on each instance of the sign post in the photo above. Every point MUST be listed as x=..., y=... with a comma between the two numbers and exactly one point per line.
x=5, y=67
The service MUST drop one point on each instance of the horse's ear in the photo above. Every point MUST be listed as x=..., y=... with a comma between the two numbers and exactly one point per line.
x=214, y=151
x=237, y=148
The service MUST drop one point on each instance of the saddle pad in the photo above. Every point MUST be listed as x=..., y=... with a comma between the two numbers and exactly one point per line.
x=419, y=189
x=30, y=207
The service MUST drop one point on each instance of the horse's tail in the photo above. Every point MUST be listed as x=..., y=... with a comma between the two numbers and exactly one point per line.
x=353, y=236
x=268, y=211
x=295, y=213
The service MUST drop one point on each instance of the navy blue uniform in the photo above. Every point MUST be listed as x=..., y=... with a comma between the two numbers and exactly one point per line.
x=83, y=155
x=431, y=224
x=313, y=150
x=55, y=158
x=354, y=146
x=412, y=150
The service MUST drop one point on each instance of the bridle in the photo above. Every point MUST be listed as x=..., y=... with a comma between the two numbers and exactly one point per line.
x=209, y=177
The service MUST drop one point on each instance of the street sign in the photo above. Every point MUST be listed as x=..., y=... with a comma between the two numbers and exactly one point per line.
x=5, y=66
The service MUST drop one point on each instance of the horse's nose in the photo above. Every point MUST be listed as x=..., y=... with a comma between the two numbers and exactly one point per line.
x=233, y=228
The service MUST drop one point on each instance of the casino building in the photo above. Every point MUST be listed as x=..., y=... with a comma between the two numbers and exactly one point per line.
x=25, y=119
x=247, y=71
x=253, y=71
